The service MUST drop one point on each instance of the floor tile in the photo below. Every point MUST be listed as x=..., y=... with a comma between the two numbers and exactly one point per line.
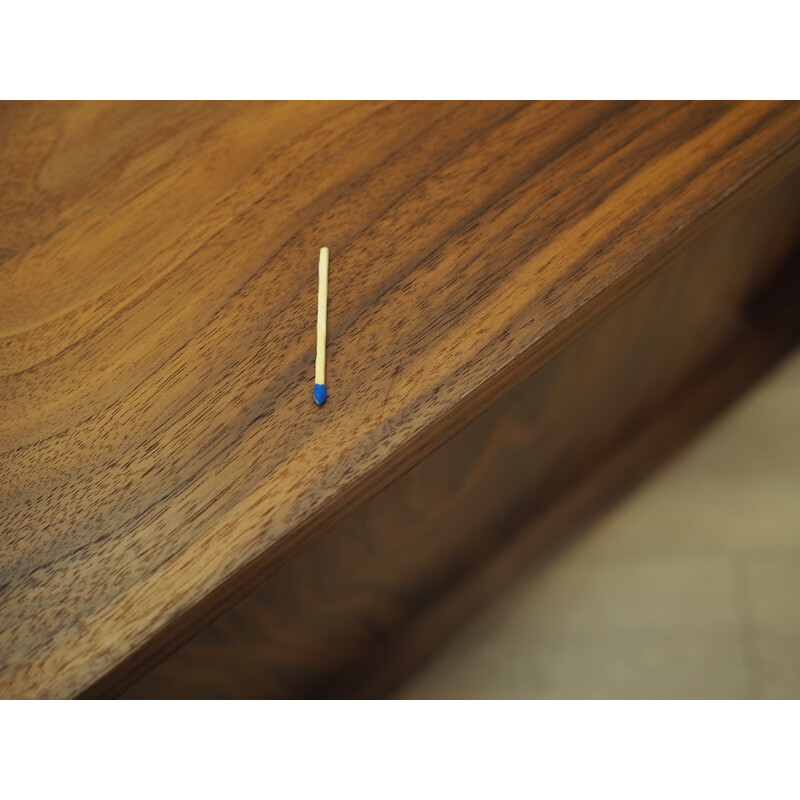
x=625, y=596
x=776, y=663
x=773, y=589
x=643, y=668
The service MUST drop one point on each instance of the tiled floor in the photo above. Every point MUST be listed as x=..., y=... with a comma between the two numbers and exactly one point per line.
x=689, y=589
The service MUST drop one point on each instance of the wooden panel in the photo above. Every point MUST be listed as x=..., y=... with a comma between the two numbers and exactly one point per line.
x=336, y=621
x=159, y=450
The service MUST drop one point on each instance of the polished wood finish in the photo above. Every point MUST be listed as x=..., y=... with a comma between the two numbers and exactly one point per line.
x=358, y=610
x=160, y=451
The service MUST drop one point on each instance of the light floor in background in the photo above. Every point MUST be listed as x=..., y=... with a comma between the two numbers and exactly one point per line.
x=688, y=589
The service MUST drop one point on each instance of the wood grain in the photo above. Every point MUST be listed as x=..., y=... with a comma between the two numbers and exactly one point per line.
x=362, y=606
x=159, y=452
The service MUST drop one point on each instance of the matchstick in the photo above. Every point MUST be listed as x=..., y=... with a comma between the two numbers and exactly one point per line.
x=322, y=315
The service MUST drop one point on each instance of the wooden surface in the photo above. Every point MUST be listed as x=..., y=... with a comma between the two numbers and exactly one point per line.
x=353, y=614
x=159, y=448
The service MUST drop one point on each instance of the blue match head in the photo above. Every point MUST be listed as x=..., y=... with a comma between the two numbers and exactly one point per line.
x=319, y=393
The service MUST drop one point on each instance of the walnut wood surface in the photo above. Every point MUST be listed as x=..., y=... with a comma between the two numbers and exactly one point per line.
x=351, y=615
x=159, y=449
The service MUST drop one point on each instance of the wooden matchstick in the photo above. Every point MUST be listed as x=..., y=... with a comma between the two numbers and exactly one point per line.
x=322, y=315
